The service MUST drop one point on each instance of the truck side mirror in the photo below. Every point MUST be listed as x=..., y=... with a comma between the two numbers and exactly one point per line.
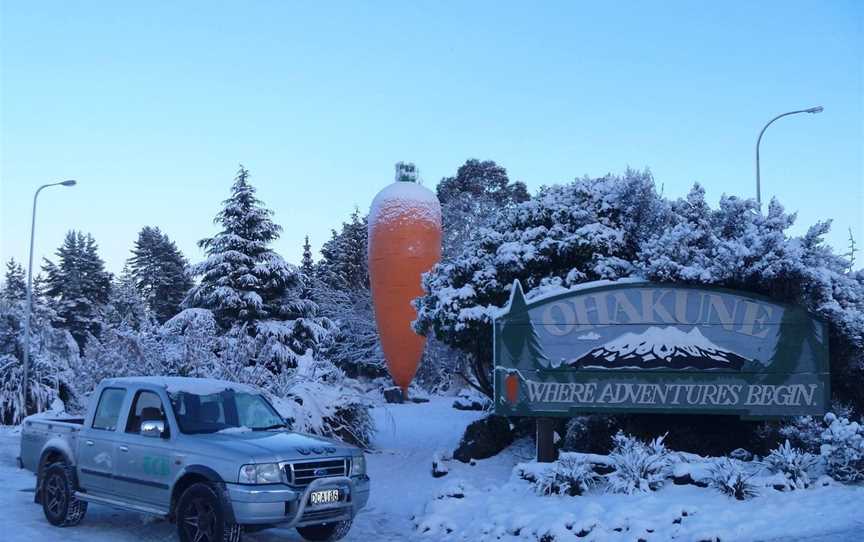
x=153, y=428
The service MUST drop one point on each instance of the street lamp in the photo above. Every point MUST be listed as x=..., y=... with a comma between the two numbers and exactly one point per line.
x=29, y=304
x=817, y=109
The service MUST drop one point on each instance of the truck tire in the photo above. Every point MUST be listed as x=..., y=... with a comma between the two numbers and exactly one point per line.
x=326, y=532
x=59, y=504
x=201, y=518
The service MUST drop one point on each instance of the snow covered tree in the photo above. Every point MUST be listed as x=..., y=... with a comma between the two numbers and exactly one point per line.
x=343, y=263
x=586, y=230
x=340, y=287
x=159, y=271
x=126, y=308
x=14, y=285
x=249, y=287
x=471, y=200
x=78, y=286
x=307, y=264
x=53, y=353
x=242, y=279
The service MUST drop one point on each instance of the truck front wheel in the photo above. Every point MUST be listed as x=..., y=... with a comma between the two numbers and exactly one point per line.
x=326, y=532
x=59, y=504
x=201, y=518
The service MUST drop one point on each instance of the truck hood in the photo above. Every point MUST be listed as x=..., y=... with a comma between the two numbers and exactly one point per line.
x=273, y=446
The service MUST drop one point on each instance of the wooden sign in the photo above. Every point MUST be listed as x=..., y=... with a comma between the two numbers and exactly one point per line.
x=633, y=346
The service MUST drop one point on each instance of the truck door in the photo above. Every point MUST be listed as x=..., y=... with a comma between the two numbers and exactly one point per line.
x=145, y=467
x=96, y=443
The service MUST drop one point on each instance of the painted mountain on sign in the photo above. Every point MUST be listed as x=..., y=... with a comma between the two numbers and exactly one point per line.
x=660, y=347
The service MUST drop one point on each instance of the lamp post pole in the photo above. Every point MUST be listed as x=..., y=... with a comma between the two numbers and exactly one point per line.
x=29, y=303
x=817, y=109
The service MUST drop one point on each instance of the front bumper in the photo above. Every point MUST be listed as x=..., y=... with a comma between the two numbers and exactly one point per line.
x=281, y=504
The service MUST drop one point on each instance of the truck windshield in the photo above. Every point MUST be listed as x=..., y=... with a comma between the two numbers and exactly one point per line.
x=225, y=410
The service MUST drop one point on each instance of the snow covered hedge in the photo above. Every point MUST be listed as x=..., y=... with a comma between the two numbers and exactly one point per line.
x=615, y=227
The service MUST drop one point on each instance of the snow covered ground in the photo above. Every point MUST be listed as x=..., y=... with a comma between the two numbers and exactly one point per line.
x=403, y=487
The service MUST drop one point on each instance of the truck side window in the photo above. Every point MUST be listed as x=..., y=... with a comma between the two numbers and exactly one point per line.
x=147, y=406
x=108, y=409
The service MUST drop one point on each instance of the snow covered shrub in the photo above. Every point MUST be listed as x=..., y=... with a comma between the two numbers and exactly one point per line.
x=639, y=466
x=568, y=476
x=843, y=449
x=793, y=464
x=727, y=476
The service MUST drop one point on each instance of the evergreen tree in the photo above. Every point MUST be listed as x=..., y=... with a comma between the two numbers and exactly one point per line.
x=242, y=279
x=14, y=285
x=126, y=308
x=307, y=264
x=78, y=287
x=344, y=263
x=158, y=269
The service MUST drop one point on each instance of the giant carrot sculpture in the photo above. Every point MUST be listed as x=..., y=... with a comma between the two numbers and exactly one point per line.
x=404, y=243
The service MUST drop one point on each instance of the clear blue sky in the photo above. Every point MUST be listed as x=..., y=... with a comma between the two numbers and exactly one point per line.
x=152, y=105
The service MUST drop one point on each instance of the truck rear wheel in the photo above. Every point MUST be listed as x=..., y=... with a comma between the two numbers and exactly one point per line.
x=326, y=532
x=201, y=518
x=59, y=504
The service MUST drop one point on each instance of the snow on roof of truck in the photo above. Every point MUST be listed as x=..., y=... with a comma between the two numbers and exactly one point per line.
x=178, y=384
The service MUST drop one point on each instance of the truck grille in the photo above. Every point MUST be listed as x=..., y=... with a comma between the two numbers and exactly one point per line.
x=303, y=473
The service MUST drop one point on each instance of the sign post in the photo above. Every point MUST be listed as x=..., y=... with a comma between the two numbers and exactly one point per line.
x=635, y=346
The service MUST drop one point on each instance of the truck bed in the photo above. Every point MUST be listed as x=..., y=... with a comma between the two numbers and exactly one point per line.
x=37, y=430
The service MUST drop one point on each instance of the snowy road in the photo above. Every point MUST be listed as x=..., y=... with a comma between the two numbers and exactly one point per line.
x=408, y=435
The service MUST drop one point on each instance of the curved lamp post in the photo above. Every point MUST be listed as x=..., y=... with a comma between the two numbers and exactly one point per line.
x=817, y=109
x=29, y=304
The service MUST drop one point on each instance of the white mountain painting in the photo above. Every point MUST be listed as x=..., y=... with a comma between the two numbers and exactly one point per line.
x=668, y=347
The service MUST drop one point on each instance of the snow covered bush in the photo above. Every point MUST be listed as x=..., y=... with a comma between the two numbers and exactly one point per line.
x=570, y=475
x=794, y=464
x=843, y=449
x=639, y=466
x=728, y=477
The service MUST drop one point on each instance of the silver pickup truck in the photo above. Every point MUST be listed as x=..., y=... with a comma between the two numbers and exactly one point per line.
x=214, y=457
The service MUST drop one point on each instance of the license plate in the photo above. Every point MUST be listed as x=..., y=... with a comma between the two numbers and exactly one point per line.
x=326, y=496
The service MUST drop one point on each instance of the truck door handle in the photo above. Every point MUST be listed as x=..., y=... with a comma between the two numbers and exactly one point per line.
x=89, y=443
x=124, y=448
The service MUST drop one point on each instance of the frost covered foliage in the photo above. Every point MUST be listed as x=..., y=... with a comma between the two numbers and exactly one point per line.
x=639, y=466
x=53, y=353
x=570, y=475
x=843, y=449
x=728, y=477
x=339, y=283
x=471, y=199
x=589, y=229
x=794, y=464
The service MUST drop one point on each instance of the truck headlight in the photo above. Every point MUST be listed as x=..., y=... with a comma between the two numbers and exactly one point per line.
x=260, y=473
x=358, y=465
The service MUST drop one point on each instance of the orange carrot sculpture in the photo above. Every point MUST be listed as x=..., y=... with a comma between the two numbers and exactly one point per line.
x=404, y=243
